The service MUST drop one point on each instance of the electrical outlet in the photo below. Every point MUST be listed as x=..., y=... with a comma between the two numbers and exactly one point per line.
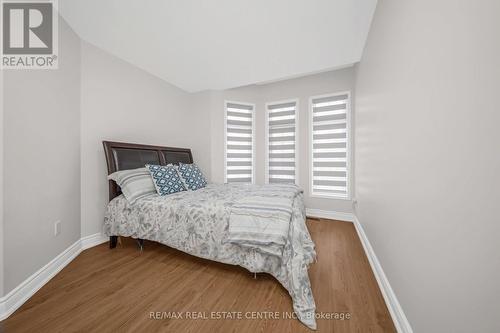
x=57, y=228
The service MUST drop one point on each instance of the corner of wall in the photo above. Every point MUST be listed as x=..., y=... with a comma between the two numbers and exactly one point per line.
x=1, y=184
x=80, y=103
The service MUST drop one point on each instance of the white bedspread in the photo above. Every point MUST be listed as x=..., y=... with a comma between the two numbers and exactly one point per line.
x=197, y=222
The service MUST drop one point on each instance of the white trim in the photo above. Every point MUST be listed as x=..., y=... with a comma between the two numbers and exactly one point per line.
x=330, y=214
x=93, y=240
x=19, y=295
x=266, y=159
x=225, y=141
x=254, y=142
x=254, y=110
x=296, y=142
x=348, y=145
x=397, y=314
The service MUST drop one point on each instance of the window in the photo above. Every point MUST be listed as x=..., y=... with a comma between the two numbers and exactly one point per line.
x=239, y=134
x=330, y=122
x=281, y=134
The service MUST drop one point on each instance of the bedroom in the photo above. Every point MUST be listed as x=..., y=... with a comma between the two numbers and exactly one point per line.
x=347, y=150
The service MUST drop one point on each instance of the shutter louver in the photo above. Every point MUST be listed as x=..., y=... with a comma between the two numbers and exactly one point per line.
x=281, y=143
x=239, y=143
x=330, y=143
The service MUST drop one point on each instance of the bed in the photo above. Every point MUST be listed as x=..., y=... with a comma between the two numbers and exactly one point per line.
x=196, y=222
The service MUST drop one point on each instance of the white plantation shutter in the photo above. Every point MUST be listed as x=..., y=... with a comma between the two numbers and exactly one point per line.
x=281, y=142
x=239, y=143
x=330, y=144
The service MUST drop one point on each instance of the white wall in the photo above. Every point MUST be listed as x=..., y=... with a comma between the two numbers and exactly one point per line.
x=1, y=183
x=54, y=165
x=123, y=103
x=41, y=161
x=427, y=159
x=301, y=88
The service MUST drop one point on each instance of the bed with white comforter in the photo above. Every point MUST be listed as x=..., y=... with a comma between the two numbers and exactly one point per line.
x=197, y=222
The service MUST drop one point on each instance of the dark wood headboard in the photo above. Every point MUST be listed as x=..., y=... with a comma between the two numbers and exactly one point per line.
x=125, y=156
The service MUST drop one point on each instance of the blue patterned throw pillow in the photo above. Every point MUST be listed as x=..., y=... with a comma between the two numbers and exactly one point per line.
x=192, y=176
x=166, y=179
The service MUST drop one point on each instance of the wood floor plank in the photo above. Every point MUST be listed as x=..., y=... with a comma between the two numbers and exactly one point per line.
x=105, y=290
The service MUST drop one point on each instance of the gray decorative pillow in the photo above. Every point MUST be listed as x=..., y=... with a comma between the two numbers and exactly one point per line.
x=135, y=184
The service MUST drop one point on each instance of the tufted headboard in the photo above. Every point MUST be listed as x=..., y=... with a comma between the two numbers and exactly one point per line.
x=124, y=156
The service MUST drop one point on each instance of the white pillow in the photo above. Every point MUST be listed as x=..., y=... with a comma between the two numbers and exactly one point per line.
x=135, y=184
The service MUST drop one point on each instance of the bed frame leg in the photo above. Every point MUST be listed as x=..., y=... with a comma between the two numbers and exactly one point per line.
x=255, y=276
x=140, y=244
x=112, y=241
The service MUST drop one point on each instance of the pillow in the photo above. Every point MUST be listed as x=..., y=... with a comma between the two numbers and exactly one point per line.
x=166, y=179
x=192, y=176
x=135, y=184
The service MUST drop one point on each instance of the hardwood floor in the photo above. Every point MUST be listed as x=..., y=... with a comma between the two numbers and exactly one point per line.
x=106, y=290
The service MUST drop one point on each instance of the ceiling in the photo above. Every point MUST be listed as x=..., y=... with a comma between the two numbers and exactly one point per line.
x=220, y=44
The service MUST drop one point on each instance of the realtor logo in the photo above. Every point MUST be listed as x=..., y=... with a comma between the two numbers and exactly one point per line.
x=29, y=34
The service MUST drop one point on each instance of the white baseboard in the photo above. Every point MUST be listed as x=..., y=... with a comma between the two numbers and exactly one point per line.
x=93, y=240
x=329, y=214
x=19, y=295
x=397, y=314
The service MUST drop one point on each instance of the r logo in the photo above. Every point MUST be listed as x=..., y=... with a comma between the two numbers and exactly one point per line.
x=27, y=28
